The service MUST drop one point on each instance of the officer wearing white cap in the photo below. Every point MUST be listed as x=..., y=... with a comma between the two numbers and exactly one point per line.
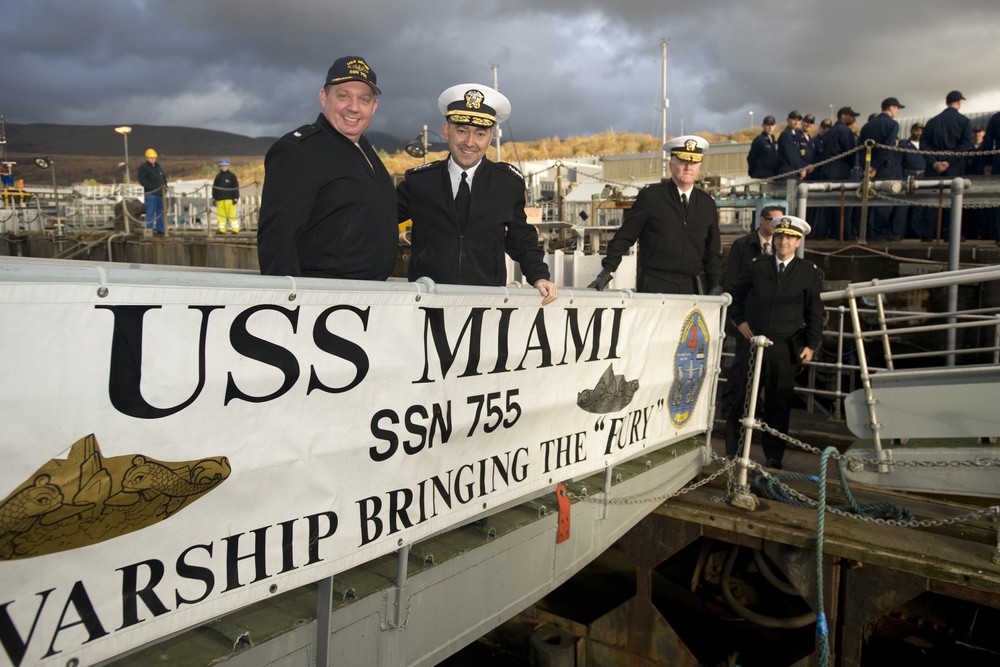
x=226, y=192
x=777, y=297
x=677, y=227
x=466, y=210
x=154, y=185
x=328, y=206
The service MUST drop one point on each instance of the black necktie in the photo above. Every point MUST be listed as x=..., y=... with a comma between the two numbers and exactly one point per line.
x=462, y=201
x=781, y=268
x=684, y=203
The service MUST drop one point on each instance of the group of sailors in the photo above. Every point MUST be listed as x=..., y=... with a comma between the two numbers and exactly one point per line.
x=831, y=155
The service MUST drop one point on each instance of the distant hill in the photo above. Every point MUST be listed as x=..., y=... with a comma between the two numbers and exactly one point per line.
x=102, y=140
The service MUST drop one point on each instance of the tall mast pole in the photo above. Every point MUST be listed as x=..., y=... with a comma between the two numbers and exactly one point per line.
x=496, y=135
x=666, y=105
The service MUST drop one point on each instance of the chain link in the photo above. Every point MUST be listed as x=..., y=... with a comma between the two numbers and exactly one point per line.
x=909, y=202
x=641, y=499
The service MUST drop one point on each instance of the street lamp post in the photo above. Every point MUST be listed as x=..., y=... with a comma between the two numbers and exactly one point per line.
x=48, y=163
x=751, y=119
x=124, y=130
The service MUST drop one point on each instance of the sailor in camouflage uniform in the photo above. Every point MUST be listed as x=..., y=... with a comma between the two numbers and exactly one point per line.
x=467, y=211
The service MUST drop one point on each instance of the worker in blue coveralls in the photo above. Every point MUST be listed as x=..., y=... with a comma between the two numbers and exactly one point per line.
x=154, y=185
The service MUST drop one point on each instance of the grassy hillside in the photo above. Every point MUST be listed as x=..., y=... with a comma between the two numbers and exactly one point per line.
x=96, y=153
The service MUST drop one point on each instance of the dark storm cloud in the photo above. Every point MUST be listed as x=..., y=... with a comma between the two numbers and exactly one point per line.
x=569, y=68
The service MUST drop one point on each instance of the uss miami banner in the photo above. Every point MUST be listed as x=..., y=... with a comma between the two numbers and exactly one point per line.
x=178, y=445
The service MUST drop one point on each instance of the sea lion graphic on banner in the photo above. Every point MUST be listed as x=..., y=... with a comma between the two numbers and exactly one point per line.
x=87, y=498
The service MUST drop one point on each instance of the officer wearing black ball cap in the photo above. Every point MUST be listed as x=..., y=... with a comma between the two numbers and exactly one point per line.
x=328, y=206
x=467, y=211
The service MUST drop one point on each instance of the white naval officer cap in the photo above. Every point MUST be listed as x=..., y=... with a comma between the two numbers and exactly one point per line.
x=474, y=104
x=792, y=226
x=689, y=148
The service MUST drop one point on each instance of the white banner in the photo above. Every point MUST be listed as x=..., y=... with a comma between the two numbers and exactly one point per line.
x=172, y=453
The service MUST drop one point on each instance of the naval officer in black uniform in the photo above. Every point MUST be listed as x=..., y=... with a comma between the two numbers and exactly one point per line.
x=466, y=210
x=777, y=297
x=328, y=207
x=677, y=227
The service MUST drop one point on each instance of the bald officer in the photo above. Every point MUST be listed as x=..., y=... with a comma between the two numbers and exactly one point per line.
x=777, y=297
x=466, y=210
x=677, y=227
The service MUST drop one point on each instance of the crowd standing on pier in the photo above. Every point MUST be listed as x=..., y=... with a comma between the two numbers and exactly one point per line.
x=799, y=154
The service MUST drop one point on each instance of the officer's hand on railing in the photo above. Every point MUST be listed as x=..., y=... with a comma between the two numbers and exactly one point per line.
x=601, y=281
x=716, y=291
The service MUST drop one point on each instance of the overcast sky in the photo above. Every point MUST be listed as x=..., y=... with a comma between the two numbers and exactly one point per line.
x=569, y=67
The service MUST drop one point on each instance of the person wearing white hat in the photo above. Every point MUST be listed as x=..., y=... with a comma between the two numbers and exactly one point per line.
x=154, y=186
x=777, y=297
x=677, y=227
x=466, y=210
x=226, y=192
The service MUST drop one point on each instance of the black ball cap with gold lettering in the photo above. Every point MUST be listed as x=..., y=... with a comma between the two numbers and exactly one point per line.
x=351, y=68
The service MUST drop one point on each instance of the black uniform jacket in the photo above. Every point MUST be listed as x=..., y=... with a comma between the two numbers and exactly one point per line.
x=789, y=152
x=325, y=211
x=950, y=130
x=669, y=243
x=883, y=130
x=839, y=139
x=783, y=308
x=762, y=160
x=444, y=252
x=225, y=186
x=742, y=253
x=152, y=179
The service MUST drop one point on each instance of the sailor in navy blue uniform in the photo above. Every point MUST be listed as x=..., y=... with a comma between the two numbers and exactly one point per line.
x=883, y=130
x=993, y=143
x=807, y=143
x=789, y=148
x=949, y=131
x=837, y=141
x=762, y=160
x=777, y=297
x=913, y=167
x=467, y=211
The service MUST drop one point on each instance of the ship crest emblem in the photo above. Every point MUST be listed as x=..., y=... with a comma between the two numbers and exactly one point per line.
x=690, y=369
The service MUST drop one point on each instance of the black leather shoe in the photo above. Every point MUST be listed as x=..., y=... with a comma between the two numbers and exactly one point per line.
x=774, y=463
